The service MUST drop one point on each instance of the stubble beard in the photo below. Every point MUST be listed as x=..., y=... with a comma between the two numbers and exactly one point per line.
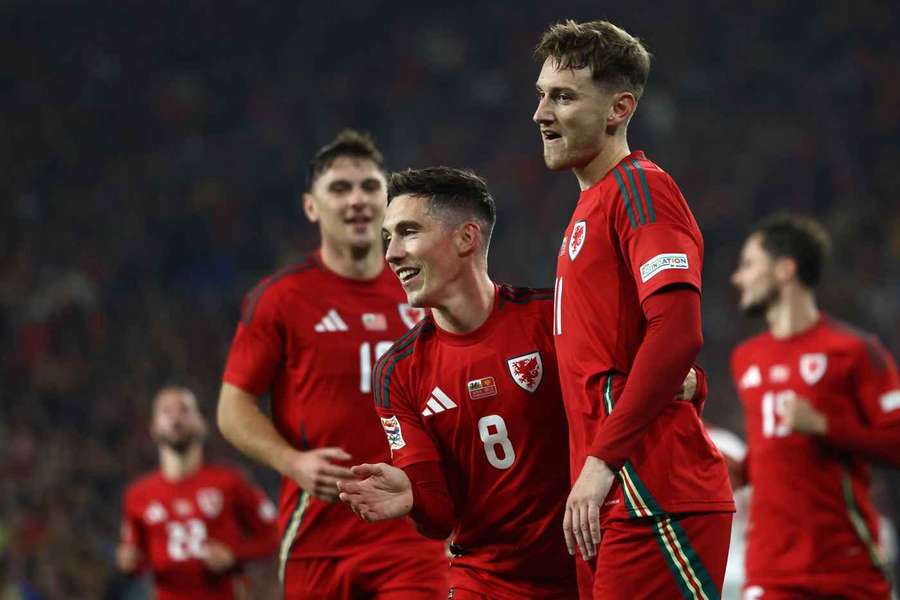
x=760, y=307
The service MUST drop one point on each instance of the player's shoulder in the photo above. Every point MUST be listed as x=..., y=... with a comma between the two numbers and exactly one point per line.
x=746, y=349
x=843, y=335
x=268, y=290
x=525, y=297
x=143, y=485
x=642, y=190
x=398, y=358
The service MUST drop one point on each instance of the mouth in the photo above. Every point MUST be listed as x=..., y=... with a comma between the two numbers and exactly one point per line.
x=549, y=136
x=406, y=274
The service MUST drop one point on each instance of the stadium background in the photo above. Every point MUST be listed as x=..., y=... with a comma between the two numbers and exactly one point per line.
x=153, y=156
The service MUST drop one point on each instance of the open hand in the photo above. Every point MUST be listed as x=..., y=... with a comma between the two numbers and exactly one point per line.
x=316, y=472
x=381, y=492
x=581, y=523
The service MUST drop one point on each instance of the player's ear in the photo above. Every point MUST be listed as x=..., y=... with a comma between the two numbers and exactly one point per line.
x=468, y=238
x=620, y=110
x=785, y=269
x=309, y=207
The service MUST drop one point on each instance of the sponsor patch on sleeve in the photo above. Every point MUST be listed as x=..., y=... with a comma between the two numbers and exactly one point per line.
x=890, y=401
x=394, y=433
x=662, y=262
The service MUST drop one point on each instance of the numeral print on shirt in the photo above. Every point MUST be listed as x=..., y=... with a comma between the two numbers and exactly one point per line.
x=557, y=306
x=185, y=540
x=366, y=360
x=773, y=413
x=492, y=430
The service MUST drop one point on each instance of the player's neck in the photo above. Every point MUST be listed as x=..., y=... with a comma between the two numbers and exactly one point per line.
x=613, y=152
x=469, y=307
x=353, y=263
x=176, y=466
x=795, y=312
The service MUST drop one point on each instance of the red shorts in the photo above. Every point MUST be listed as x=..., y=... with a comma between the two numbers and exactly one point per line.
x=676, y=556
x=469, y=584
x=853, y=587
x=371, y=573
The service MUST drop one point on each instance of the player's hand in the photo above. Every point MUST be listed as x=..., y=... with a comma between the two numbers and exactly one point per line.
x=217, y=557
x=581, y=523
x=798, y=415
x=689, y=386
x=381, y=492
x=316, y=472
x=128, y=557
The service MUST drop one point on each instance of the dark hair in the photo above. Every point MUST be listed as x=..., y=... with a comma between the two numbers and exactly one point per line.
x=450, y=191
x=801, y=238
x=349, y=142
x=615, y=57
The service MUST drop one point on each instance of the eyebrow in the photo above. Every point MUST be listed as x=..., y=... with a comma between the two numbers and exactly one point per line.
x=400, y=225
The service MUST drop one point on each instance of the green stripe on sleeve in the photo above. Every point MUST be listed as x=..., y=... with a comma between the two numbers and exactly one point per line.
x=636, y=195
x=625, y=198
x=646, y=189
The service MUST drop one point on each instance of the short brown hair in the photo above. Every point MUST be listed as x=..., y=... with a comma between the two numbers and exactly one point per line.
x=616, y=58
x=348, y=142
x=457, y=192
x=798, y=237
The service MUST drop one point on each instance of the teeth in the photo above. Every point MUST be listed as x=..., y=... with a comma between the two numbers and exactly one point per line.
x=407, y=273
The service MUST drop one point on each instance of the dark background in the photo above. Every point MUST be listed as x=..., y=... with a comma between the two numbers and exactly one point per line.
x=152, y=160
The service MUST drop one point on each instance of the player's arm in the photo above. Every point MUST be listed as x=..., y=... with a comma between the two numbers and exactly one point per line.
x=415, y=484
x=257, y=351
x=130, y=553
x=257, y=515
x=877, y=437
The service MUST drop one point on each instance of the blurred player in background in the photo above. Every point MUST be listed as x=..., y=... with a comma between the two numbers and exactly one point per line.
x=627, y=328
x=470, y=401
x=822, y=403
x=192, y=524
x=310, y=335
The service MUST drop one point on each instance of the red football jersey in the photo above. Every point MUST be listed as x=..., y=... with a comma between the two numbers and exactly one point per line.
x=487, y=406
x=631, y=234
x=811, y=515
x=312, y=337
x=171, y=521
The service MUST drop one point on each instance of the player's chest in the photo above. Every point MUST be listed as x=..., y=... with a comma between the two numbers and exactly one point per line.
x=464, y=387
x=588, y=245
x=770, y=382
x=180, y=522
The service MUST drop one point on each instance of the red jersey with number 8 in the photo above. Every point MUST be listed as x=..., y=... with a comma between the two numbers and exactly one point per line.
x=487, y=406
x=311, y=338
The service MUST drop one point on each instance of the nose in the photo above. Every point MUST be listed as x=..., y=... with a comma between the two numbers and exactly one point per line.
x=542, y=114
x=394, y=252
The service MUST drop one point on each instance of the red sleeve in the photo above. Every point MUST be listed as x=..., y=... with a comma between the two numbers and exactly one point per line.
x=878, y=394
x=671, y=342
x=257, y=514
x=432, y=509
x=658, y=235
x=409, y=440
x=258, y=345
x=133, y=532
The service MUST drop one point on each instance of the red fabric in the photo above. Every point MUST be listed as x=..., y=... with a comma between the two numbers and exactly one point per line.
x=432, y=505
x=671, y=342
x=369, y=573
x=311, y=338
x=631, y=235
x=170, y=521
x=871, y=586
x=879, y=445
x=632, y=562
x=807, y=490
x=487, y=406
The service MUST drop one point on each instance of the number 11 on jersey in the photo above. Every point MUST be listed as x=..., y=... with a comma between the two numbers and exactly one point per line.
x=557, y=306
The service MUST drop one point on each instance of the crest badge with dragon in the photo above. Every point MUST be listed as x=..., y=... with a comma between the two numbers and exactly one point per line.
x=527, y=370
x=576, y=241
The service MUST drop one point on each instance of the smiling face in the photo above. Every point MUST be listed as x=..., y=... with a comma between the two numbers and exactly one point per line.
x=421, y=250
x=347, y=201
x=572, y=114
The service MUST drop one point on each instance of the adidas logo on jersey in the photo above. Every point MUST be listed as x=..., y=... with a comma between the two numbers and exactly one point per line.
x=437, y=403
x=751, y=378
x=332, y=321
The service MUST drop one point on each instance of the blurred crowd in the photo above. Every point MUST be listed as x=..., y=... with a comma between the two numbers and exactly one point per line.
x=154, y=156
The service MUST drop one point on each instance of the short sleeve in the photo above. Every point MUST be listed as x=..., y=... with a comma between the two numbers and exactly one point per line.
x=658, y=236
x=255, y=506
x=258, y=345
x=877, y=383
x=409, y=440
